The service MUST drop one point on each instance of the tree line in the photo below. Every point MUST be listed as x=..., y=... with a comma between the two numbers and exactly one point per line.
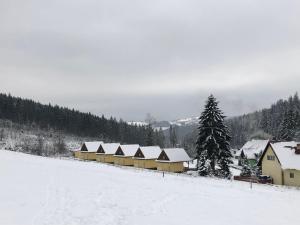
x=280, y=122
x=71, y=121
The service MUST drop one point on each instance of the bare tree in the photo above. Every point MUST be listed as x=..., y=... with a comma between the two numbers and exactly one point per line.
x=59, y=145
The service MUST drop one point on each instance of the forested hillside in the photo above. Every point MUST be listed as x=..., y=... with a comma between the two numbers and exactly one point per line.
x=279, y=122
x=70, y=121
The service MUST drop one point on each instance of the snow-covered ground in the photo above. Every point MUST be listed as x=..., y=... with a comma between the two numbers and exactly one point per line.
x=38, y=191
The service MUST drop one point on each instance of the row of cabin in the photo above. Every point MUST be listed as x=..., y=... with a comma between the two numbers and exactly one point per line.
x=279, y=160
x=150, y=157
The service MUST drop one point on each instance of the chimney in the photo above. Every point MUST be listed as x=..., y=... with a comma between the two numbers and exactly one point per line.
x=297, y=151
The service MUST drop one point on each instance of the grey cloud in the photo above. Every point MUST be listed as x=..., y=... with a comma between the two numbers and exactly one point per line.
x=127, y=58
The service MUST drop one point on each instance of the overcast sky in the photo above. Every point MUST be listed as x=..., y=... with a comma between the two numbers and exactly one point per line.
x=127, y=58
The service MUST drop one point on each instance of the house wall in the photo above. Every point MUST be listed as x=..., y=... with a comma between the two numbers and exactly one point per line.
x=83, y=155
x=272, y=168
x=99, y=157
x=291, y=181
x=77, y=154
x=170, y=166
x=123, y=161
x=105, y=158
x=145, y=163
x=88, y=156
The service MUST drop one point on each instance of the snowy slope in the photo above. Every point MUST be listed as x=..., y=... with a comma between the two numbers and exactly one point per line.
x=38, y=191
x=186, y=121
x=180, y=122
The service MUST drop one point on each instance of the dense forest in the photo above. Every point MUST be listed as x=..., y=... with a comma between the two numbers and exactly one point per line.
x=70, y=121
x=280, y=122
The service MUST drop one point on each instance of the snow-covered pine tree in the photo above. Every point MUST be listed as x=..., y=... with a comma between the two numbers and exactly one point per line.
x=213, y=138
x=204, y=168
x=224, y=162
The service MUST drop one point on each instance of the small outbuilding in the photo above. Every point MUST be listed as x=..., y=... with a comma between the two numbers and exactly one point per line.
x=146, y=157
x=252, y=150
x=172, y=159
x=124, y=154
x=106, y=152
x=89, y=149
x=281, y=161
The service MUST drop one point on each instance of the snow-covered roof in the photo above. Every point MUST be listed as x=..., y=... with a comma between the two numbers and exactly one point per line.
x=285, y=152
x=254, y=147
x=93, y=146
x=151, y=152
x=175, y=155
x=110, y=148
x=129, y=150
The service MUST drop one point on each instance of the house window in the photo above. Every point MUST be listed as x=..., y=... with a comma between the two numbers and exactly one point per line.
x=292, y=175
x=271, y=157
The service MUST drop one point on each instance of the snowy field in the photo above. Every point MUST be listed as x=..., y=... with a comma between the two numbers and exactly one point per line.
x=38, y=191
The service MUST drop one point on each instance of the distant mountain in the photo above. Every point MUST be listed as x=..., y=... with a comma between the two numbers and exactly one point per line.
x=186, y=121
x=166, y=124
x=183, y=128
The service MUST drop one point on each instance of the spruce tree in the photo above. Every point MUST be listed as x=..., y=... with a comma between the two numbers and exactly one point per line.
x=173, y=136
x=204, y=168
x=288, y=126
x=150, y=136
x=246, y=170
x=213, y=140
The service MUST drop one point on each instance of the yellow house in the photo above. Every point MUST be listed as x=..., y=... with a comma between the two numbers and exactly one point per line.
x=124, y=154
x=172, y=159
x=145, y=157
x=106, y=152
x=89, y=149
x=281, y=161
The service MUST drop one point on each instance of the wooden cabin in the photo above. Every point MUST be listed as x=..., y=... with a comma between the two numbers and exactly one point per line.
x=106, y=152
x=172, y=159
x=146, y=157
x=281, y=161
x=89, y=149
x=124, y=154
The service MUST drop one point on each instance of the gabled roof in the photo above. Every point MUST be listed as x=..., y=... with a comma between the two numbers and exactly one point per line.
x=91, y=146
x=149, y=152
x=110, y=148
x=285, y=153
x=254, y=147
x=128, y=150
x=174, y=155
